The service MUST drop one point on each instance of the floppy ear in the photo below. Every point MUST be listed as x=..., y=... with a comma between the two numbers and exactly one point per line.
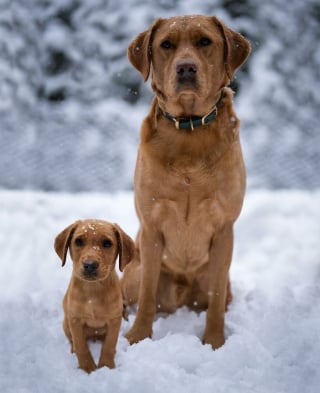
x=237, y=48
x=126, y=248
x=62, y=241
x=140, y=50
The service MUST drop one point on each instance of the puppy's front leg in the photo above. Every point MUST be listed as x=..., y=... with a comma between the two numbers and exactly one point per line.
x=80, y=345
x=219, y=264
x=151, y=249
x=109, y=345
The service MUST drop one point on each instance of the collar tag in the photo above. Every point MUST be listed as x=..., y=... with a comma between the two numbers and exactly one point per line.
x=194, y=121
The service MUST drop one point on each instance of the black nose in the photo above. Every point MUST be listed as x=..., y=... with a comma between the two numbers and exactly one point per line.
x=186, y=69
x=90, y=267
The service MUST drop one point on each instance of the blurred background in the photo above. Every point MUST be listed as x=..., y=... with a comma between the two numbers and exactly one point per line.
x=71, y=104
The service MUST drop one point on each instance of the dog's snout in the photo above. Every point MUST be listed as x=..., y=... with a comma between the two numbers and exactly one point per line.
x=90, y=267
x=186, y=68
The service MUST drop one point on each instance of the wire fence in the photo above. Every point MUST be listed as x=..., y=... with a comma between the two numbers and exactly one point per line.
x=71, y=104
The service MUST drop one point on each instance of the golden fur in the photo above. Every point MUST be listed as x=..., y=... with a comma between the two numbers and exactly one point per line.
x=189, y=185
x=93, y=302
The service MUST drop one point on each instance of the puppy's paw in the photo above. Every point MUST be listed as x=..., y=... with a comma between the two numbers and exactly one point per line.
x=107, y=361
x=86, y=363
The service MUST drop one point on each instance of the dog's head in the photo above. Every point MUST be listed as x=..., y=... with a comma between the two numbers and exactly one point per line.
x=190, y=58
x=94, y=247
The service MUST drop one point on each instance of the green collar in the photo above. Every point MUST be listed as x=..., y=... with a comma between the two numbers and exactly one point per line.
x=189, y=123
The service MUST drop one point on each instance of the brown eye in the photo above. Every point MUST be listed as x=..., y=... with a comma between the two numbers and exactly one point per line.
x=106, y=243
x=204, y=41
x=166, y=44
x=78, y=242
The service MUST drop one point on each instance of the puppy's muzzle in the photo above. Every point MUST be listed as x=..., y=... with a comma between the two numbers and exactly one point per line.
x=90, y=268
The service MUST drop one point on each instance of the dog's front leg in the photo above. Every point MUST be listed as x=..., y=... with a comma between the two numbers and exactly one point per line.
x=80, y=345
x=109, y=345
x=219, y=264
x=151, y=249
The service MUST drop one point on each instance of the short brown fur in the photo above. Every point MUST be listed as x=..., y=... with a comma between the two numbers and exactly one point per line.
x=189, y=185
x=93, y=303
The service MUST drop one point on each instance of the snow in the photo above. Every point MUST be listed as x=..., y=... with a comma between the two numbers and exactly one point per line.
x=70, y=99
x=87, y=140
x=272, y=326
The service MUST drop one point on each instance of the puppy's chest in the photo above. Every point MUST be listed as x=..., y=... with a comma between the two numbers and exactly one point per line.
x=95, y=311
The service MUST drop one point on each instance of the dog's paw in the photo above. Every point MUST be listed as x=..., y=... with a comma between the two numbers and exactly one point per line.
x=138, y=333
x=107, y=362
x=86, y=363
x=215, y=340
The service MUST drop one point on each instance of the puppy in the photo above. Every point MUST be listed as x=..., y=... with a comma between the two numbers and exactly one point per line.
x=93, y=302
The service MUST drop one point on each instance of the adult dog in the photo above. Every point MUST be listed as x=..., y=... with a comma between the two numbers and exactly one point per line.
x=190, y=176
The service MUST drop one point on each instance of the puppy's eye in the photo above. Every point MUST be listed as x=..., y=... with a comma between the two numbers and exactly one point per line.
x=78, y=242
x=107, y=243
x=166, y=44
x=204, y=41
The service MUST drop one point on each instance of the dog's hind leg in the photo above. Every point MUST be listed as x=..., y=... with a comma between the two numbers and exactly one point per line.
x=67, y=332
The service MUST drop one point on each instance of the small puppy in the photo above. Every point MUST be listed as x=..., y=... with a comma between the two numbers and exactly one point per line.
x=93, y=303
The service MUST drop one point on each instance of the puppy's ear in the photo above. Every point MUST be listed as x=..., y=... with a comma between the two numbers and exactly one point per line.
x=62, y=241
x=126, y=248
x=140, y=50
x=237, y=48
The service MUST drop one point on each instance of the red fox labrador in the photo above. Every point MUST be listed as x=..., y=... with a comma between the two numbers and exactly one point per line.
x=190, y=176
x=93, y=303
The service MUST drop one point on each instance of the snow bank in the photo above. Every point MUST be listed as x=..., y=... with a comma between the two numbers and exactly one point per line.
x=272, y=326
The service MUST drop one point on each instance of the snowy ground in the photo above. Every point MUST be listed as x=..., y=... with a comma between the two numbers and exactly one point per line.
x=272, y=327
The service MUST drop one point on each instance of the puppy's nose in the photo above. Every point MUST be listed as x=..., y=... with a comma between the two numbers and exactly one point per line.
x=90, y=267
x=186, y=68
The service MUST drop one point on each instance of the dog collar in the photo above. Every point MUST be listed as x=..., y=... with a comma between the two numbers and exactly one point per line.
x=189, y=123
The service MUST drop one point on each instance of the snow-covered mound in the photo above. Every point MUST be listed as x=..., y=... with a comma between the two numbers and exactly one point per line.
x=272, y=327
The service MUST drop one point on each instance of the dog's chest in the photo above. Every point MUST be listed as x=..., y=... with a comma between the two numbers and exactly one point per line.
x=90, y=311
x=94, y=311
x=189, y=202
x=188, y=226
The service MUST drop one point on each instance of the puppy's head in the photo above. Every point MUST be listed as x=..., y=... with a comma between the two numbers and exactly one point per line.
x=190, y=59
x=94, y=246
